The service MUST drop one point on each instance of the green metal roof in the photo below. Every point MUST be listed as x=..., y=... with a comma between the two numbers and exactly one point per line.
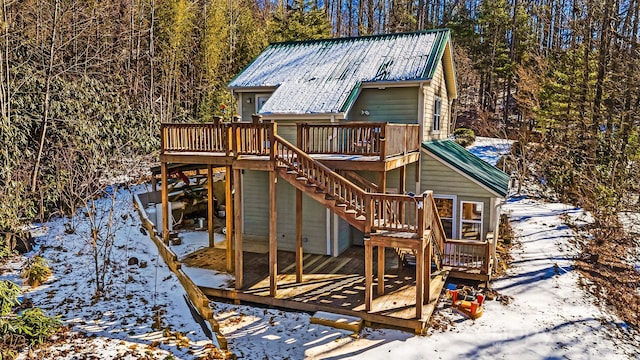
x=465, y=162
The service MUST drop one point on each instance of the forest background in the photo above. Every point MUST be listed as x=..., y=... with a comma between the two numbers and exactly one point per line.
x=85, y=84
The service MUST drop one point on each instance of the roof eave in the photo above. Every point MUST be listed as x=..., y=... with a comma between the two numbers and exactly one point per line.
x=471, y=178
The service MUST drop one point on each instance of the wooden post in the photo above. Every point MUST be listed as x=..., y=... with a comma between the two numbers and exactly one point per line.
x=368, y=274
x=256, y=118
x=382, y=186
x=299, y=251
x=383, y=142
x=217, y=119
x=380, y=270
x=419, y=280
x=237, y=221
x=165, y=203
x=154, y=183
x=210, y=209
x=273, y=235
x=401, y=189
x=427, y=268
x=229, y=211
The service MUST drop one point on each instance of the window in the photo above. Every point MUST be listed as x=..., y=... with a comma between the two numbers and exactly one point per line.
x=437, y=111
x=260, y=100
x=445, y=205
x=471, y=220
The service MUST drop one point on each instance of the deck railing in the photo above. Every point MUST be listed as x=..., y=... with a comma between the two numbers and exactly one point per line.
x=401, y=139
x=252, y=138
x=367, y=139
x=361, y=138
x=467, y=255
x=204, y=137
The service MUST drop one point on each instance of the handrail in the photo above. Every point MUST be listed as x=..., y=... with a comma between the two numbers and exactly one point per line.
x=359, y=138
x=252, y=138
x=434, y=222
x=323, y=177
x=202, y=137
x=467, y=254
x=362, y=138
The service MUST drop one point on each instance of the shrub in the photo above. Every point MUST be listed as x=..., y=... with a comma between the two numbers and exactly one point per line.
x=31, y=327
x=36, y=271
x=464, y=137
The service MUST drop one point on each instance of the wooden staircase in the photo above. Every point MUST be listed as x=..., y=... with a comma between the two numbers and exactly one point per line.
x=367, y=211
x=322, y=184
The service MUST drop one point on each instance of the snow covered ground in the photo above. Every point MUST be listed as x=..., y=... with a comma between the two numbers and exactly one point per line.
x=119, y=324
x=490, y=149
x=546, y=313
x=548, y=316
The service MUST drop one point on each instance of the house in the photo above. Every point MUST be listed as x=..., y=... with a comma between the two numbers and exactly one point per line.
x=343, y=134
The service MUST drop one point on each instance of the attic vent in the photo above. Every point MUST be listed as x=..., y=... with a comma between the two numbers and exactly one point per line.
x=382, y=70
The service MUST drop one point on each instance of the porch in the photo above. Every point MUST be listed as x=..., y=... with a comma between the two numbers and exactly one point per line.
x=342, y=146
x=331, y=284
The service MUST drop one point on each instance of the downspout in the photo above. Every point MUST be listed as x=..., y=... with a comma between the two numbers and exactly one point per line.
x=421, y=119
x=496, y=230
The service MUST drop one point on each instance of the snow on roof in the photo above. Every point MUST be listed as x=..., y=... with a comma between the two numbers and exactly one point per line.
x=318, y=77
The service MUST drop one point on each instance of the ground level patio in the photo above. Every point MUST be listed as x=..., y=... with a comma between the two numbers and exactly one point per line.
x=330, y=284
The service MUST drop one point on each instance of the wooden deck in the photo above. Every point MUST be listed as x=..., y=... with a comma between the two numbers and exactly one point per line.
x=332, y=284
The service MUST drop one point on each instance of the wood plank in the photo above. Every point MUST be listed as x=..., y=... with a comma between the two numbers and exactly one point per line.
x=419, y=282
x=229, y=211
x=237, y=219
x=210, y=208
x=215, y=159
x=299, y=250
x=165, y=203
x=381, y=270
x=368, y=274
x=292, y=265
x=339, y=266
x=273, y=234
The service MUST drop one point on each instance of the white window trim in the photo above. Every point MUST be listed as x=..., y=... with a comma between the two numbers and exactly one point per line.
x=481, y=221
x=435, y=130
x=454, y=221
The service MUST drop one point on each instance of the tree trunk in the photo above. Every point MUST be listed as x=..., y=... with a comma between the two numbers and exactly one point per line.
x=47, y=94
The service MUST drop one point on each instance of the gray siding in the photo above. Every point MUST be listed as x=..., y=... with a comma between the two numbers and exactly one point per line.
x=256, y=214
x=398, y=105
x=444, y=181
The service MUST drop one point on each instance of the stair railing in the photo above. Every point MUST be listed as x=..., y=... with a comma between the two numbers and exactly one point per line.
x=318, y=174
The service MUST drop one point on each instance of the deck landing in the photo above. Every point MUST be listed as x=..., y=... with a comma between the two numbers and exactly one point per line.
x=331, y=284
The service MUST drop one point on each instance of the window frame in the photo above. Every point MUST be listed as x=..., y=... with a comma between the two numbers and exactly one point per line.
x=463, y=221
x=454, y=210
x=436, y=124
x=259, y=97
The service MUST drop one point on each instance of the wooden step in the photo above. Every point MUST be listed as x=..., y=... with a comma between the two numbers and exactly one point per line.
x=301, y=178
x=337, y=321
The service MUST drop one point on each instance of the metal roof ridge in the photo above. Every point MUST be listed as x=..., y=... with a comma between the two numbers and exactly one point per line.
x=363, y=37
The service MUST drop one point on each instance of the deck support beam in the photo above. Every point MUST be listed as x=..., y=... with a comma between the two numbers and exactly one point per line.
x=228, y=203
x=420, y=280
x=299, y=250
x=210, y=209
x=237, y=219
x=273, y=235
x=382, y=184
x=368, y=274
x=380, y=270
x=427, y=271
x=165, y=203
